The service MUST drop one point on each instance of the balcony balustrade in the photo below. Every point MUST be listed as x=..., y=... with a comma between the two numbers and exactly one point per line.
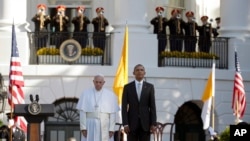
x=45, y=49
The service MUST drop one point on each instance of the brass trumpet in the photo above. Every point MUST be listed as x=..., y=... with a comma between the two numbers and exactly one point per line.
x=61, y=22
x=178, y=24
x=193, y=20
x=160, y=22
x=81, y=21
x=178, y=29
x=101, y=24
x=41, y=21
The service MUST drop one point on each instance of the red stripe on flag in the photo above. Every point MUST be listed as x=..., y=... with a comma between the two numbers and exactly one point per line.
x=239, y=97
x=16, y=82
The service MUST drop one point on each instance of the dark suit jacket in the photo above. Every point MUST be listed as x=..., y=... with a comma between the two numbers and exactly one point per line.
x=133, y=109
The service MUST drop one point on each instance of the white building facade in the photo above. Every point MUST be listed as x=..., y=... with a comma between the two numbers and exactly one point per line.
x=174, y=86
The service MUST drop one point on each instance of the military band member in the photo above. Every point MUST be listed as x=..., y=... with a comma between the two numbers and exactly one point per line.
x=100, y=23
x=60, y=25
x=217, y=20
x=205, y=35
x=176, y=26
x=159, y=22
x=17, y=133
x=80, y=26
x=190, y=32
x=41, y=21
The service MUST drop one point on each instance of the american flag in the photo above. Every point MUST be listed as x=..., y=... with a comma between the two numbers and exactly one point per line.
x=239, y=97
x=16, y=94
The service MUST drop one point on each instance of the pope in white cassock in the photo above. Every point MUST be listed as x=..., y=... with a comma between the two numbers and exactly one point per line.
x=98, y=108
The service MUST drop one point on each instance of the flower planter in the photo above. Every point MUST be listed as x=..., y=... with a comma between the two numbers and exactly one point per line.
x=189, y=62
x=50, y=59
x=89, y=60
x=57, y=59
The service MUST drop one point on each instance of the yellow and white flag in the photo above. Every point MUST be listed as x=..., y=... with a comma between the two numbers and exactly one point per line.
x=121, y=77
x=207, y=97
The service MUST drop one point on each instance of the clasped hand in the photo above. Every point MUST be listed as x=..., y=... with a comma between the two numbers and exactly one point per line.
x=127, y=130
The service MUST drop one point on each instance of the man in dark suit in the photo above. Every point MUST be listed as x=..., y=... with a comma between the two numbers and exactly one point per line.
x=138, y=107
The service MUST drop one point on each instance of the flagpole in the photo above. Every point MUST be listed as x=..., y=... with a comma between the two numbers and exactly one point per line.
x=213, y=99
x=237, y=113
x=11, y=106
x=213, y=112
x=11, y=114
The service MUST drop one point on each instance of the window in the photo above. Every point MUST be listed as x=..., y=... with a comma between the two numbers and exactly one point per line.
x=65, y=123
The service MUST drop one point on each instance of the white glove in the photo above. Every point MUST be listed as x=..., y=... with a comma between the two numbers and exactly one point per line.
x=211, y=131
x=11, y=123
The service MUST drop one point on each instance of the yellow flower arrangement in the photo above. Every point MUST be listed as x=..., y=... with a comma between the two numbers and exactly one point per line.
x=48, y=51
x=88, y=51
x=198, y=55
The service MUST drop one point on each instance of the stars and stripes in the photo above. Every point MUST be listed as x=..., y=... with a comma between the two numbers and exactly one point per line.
x=16, y=94
x=239, y=97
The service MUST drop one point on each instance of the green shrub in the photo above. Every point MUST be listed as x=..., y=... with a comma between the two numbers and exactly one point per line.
x=225, y=135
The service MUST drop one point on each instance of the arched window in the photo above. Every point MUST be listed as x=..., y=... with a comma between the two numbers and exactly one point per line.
x=65, y=110
x=65, y=123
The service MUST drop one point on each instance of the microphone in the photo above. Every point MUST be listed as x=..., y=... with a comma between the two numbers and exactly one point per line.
x=31, y=98
x=37, y=98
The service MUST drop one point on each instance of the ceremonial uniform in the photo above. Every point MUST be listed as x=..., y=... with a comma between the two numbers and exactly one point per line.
x=100, y=23
x=176, y=26
x=190, y=32
x=60, y=26
x=17, y=133
x=205, y=35
x=41, y=21
x=4, y=133
x=80, y=27
x=217, y=27
x=159, y=22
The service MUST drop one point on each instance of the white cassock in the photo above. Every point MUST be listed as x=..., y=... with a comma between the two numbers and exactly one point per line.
x=97, y=114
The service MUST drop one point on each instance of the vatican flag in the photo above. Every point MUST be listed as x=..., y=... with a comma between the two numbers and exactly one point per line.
x=121, y=77
x=207, y=98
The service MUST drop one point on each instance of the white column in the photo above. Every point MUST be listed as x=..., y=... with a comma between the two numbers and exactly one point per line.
x=142, y=45
x=235, y=20
x=130, y=12
x=14, y=11
x=235, y=24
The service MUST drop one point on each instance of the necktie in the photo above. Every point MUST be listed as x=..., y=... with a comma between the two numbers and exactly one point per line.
x=139, y=90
